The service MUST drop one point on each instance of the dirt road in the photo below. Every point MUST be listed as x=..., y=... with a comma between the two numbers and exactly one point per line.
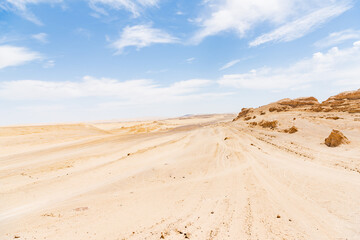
x=189, y=178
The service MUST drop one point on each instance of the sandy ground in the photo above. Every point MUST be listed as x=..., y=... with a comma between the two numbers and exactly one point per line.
x=201, y=177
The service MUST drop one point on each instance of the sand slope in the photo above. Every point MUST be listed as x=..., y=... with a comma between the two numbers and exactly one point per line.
x=201, y=177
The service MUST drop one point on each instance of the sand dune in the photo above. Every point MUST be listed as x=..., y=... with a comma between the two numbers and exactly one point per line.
x=197, y=177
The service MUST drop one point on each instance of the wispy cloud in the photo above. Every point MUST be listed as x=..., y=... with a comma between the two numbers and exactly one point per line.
x=83, y=32
x=129, y=92
x=8, y=38
x=230, y=64
x=140, y=36
x=290, y=19
x=338, y=37
x=20, y=7
x=157, y=71
x=302, y=26
x=133, y=6
x=41, y=37
x=190, y=60
x=49, y=64
x=336, y=67
x=14, y=56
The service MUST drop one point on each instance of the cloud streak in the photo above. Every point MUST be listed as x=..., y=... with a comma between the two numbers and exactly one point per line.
x=338, y=38
x=229, y=64
x=302, y=26
x=339, y=67
x=289, y=19
x=20, y=7
x=41, y=37
x=14, y=56
x=140, y=36
x=133, y=6
x=141, y=91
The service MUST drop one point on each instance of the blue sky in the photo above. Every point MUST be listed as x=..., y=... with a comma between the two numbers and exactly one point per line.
x=85, y=60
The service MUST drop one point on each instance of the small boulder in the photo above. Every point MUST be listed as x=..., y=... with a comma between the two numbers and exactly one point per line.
x=335, y=139
x=291, y=130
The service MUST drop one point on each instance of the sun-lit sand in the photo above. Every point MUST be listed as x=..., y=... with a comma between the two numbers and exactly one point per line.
x=197, y=177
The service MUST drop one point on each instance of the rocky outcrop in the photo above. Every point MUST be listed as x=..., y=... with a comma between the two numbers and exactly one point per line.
x=288, y=104
x=335, y=139
x=243, y=114
x=343, y=102
x=299, y=102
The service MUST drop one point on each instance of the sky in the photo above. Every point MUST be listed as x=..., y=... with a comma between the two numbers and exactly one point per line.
x=89, y=60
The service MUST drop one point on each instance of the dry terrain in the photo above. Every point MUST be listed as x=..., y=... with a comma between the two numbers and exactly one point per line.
x=266, y=175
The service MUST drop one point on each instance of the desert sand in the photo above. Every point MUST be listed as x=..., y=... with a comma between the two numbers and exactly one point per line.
x=196, y=177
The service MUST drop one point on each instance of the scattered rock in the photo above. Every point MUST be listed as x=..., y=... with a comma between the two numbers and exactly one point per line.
x=277, y=109
x=48, y=215
x=291, y=130
x=336, y=138
x=226, y=138
x=333, y=118
x=278, y=216
x=272, y=109
x=16, y=236
x=269, y=124
x=81, y=209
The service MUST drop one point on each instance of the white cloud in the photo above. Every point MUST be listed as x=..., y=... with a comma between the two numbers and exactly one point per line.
x=129, y=92
x=135, y=7
x=20, y=7
x=229, y=64
x=13, y=56
x=41, y=37
x=8, y=38
x=22, y=4
x=336, y=67
x=338, y=37
x=41, y=108
x=83, y=32
x=190, y=60
x=49, y=64
x=157, y=71
x=141, y=36
x=302, y=26
x=243, y=16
